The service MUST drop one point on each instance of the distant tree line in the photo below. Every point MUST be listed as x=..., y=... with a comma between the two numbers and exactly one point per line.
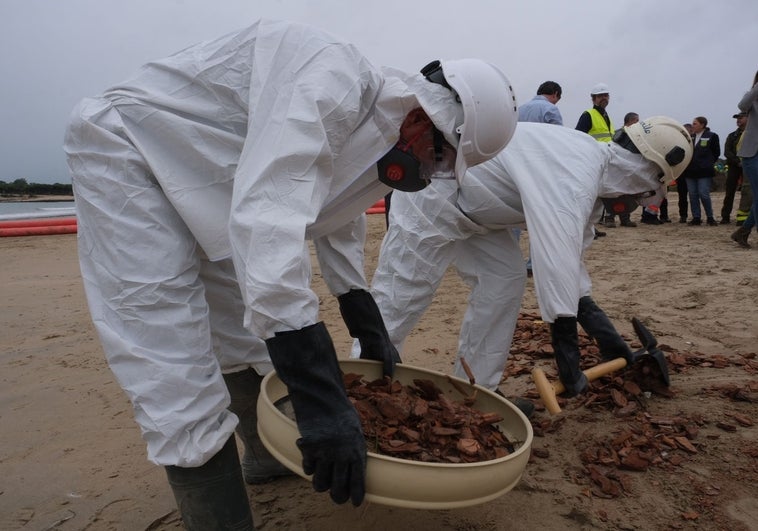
x=21, y=187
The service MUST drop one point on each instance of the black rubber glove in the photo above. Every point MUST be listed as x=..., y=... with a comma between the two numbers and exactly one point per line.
x=566, y=347
x=331, y=437
x=365, y=323
x=597, y=324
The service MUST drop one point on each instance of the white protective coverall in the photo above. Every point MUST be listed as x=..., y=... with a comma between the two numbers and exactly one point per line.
x=547, y=177
x=198, y=183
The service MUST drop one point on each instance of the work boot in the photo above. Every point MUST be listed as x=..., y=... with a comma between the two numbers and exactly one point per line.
x=597, y=324
x=740, y=236
x=683, y=219
x=695, y=221
x=724, y=221
x=565, y=343
x=712, y=222
x=665, y=219
x=258, y=465
x=212, y=497
x=524, y=405
x=628, y=223
x=608, y=221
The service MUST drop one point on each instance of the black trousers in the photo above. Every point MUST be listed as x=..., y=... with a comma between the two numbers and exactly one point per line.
x=681, y=189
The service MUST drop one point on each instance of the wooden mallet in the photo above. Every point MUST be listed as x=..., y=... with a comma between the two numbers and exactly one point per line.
x=550, y=391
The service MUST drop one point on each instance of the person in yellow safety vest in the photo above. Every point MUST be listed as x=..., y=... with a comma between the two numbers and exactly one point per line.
x=596, y=123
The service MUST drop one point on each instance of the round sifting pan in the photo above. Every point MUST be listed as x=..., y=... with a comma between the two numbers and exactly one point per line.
x=401, y=482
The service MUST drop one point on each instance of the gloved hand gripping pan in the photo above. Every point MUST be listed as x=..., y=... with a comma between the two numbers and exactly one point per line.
x=331, y=438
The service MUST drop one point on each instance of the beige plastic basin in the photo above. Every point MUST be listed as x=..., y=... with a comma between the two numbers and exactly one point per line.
x=401, y=482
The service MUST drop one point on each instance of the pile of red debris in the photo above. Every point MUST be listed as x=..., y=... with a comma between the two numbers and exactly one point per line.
x=625, y=392
x=641, y=440
x=420, y=423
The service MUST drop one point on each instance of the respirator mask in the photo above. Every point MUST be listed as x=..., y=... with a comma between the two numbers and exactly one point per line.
x=410, y=166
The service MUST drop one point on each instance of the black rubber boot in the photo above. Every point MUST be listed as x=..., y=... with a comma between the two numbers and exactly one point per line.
x=258, y=465
x=212, y=497
x=566, y=347
x=740, y=236
x=524, y=405
x=597, y=324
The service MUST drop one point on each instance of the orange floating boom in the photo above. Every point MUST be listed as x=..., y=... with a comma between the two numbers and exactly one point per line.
x=37, y=231
x=46, y=222
x=377, y=208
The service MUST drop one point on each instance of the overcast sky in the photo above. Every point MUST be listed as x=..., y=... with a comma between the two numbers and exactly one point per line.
x=681, y=59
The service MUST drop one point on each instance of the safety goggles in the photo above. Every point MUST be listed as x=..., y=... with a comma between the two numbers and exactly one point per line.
x=436, y=156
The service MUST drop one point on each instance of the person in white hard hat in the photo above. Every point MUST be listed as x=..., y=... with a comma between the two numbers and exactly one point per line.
x=550, y=178
x=198, y=183
x=596, y=123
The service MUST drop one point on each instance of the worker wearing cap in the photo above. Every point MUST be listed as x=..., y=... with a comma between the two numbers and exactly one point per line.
x=734, y=169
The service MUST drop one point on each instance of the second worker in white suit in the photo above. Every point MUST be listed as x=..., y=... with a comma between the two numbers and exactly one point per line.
x=549, y=178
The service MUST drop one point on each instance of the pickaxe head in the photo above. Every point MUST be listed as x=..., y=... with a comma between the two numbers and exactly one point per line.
x=649, y=349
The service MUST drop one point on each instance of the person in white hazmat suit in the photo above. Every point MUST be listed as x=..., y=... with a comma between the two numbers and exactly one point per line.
x=198, y=183
x=551, y=179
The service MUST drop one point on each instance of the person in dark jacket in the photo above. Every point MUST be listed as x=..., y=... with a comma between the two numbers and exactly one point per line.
x=699, y=174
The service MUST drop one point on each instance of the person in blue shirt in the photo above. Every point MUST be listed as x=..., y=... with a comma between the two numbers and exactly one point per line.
x=543, y=107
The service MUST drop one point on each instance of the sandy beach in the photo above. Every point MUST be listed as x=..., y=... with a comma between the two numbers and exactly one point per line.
x=71, y=457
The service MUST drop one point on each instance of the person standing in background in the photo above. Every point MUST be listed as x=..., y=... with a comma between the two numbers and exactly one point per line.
x=681, y=187
x=543, y=109
x=700, y=172
x=596, y=123
x=734, y=171
x=747, y=150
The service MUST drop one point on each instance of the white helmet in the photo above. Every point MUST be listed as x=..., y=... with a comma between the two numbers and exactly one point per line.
x=664, y=141
x=600, y=88
x=489, y=108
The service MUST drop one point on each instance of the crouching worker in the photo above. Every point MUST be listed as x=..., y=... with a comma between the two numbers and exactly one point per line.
x=198, y=183
x=551, y=179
